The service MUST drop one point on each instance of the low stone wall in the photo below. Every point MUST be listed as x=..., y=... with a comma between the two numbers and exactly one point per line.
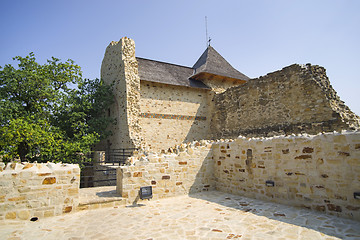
x=319, y=172
x=38, y=190
x=181, y=170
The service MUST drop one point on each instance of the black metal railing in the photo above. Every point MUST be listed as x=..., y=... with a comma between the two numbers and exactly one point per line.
x=101, y=171
x=119, y=156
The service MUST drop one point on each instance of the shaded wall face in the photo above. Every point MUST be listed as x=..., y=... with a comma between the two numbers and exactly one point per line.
x=171, y=115
x=294, y=100
x=320, y=173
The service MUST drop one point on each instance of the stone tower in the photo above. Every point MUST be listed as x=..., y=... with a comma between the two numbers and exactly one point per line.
x=120, y=67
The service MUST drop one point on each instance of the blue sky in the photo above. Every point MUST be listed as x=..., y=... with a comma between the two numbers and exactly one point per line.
x=256, y=37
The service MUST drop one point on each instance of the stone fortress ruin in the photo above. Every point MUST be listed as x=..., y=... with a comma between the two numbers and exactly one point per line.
x=159, y=105
x=288, y=128
x=285, y=137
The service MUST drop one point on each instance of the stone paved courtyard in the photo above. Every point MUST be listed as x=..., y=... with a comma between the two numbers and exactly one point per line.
x=207, y=215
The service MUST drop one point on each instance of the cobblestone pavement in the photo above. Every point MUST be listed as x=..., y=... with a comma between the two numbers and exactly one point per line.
x=209, y=215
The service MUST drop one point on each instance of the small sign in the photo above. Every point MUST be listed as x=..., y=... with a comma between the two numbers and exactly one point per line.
x=357, y=195
x=270, y=183
x=146, y=192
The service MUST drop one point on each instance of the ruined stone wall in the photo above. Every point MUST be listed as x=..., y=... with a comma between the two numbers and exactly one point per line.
x=38, y=190
x=171, y=115
x=184, y=169
x=296, y=99
x=120, y=67
x=317, y=172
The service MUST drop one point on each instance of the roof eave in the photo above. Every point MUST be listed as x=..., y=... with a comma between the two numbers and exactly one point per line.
x=208, y=75
x=205, y=87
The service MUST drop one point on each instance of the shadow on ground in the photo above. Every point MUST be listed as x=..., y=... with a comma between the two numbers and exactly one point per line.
x=323, y=223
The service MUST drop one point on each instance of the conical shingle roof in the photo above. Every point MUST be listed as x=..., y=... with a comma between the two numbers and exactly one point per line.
x=211, y=62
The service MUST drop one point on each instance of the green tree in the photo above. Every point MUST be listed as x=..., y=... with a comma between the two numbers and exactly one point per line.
x=49, y=112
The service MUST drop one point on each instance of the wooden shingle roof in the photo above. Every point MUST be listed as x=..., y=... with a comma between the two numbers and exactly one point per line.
x=167, y=73
x=211, y=62
x=210, y=65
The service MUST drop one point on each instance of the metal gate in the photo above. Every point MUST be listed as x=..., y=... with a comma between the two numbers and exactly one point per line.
x=119, y=156
x=100, y=168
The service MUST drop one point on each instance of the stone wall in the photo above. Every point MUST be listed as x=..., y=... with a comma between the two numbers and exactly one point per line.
x=184, y=169
x=172, y=115
x=296, y=99
x=120, y=67
x=317, y=172
x=38, y=190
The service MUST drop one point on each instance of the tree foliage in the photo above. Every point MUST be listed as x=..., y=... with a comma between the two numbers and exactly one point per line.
x=49, y=112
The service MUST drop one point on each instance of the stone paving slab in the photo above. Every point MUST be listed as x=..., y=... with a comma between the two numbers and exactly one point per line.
x=98, y=195
x=207, y=215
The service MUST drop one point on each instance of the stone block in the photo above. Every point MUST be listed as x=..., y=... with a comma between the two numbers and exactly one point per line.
x=353, y=208
x=339, y=139
x=17, y=199
x=43, y=174
x=334, y=161
x=10, y=215
x=308, y=150
x=73, y=191
x=343, y=154
x=49, y=213
x=28, y=165
x=49, y=180
x=23, y=214
x=334, y=208
x=303, y=157
x=125, y=194
x=26, y=174
x=137, y=174
x=354, y=162
x=67, y=209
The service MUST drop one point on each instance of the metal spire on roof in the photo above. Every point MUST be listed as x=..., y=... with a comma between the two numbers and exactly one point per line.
x=208, y=39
